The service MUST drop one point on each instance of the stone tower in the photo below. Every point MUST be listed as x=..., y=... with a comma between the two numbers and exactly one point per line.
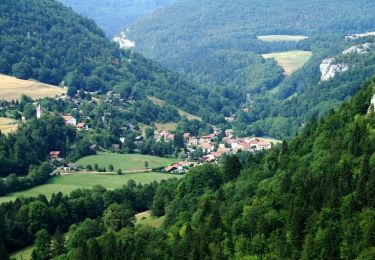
x=38, y=111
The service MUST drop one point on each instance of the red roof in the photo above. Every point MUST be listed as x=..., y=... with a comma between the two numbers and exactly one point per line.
x=54, y=153
x=170, y=168
x=81, y=125
x=210, y=136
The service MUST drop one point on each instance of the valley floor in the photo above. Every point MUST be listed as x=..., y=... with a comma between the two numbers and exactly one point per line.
x=70, y=182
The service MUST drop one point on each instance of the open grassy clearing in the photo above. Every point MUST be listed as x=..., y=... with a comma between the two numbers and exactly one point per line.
x=23, y=254
x=282, y=38
x=70, y=182
x=160, y=102
x=125, y=162
x=166, y=126
x=290, y=60
x=12, y=88
x=8, y=125
x=146, y=219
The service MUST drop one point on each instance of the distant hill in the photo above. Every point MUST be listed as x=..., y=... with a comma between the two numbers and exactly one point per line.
x=217, y=43
x=114, y=15
x=195, y=26
x=45, y=41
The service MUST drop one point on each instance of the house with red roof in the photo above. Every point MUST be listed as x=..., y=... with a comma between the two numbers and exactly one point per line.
x=82, y=126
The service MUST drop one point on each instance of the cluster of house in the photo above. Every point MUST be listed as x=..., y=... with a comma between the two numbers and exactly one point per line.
x=213, y=148
x=165, y=134
x=72, y=121
x=180, y=167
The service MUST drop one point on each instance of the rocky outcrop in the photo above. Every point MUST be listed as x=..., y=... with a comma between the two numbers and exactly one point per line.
x=359, y=35
x=360, y=49
x=329, y=69
x=372, y=105
x=123, y=41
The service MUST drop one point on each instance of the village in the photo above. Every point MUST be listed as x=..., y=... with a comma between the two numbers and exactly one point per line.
x=197, y=150
x=212, y=149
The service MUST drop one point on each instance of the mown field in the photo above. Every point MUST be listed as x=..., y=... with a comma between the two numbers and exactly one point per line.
x=12, y=88
x=146, y=219
x=160, y=102
x=8, y=125
x=68, y=183
x=23, y=254
x=282, y=38
x=125, y=162
x=290, y=60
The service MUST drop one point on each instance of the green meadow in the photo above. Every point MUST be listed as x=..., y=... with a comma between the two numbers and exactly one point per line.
x=69, y=182
x=282, y=38
x=290, y=60
x=125, y=162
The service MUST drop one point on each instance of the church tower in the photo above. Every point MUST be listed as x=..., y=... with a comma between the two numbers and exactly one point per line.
x=38, y=112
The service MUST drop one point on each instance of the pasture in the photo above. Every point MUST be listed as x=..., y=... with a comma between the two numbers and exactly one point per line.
x=12, y=88
x=70, y=182
x=23, y=254
x=146, y=219
x=282, y=38
x=166, y=126
x=125, y=162
x=159, y=102
x=290, y=60
x=8, y=125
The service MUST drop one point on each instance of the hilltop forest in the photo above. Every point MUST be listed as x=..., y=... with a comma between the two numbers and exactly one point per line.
x=63, y=48
x=215, y=43
x=114, y=15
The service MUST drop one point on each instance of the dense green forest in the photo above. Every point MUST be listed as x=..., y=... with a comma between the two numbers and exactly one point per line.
x=114, y=15
x=309, y=198
x=285, y=110
x=45, y=41
x=168, y=34
x=218, y=46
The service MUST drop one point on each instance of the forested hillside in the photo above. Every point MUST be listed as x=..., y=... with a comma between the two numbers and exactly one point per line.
x=215, y=43
x=285, y=110
x=45, y=41
x=168, y=34
x=114, y=15
x=309, y=198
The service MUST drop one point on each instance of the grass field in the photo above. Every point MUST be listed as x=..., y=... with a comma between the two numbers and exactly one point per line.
x=160, y=102
x=12, y=88
x=23, y=254
x=166, y=126
x=68, y=183
x=282, y=38
x=290, y=60
x=125, y=162
x=8, y=125
x=146, y=219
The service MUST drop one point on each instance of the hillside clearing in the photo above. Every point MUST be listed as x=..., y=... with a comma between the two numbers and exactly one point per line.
x=146, y=219
x=23, y=254
x=12, y=88
x=70, y=182
x=282, y=38
x=290, y=60
x=8, y=125
x=159, y=102
x=125, y=162
x=166, y=126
